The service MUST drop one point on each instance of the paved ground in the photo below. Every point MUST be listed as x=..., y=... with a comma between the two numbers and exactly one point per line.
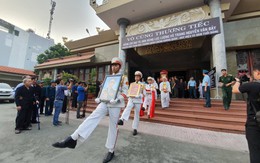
x=156, y=143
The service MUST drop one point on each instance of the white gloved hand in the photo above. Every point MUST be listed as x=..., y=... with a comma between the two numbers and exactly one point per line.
x=137, y=96
x=114, y=101
x=97, y=100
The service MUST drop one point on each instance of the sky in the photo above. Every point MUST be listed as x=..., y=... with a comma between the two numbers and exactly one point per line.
x=71, y=17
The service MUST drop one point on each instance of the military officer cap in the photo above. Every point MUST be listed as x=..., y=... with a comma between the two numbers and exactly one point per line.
x=149, y=78
x=138, y=73
x=116, y=60
x=53, y=81
x=223, y=69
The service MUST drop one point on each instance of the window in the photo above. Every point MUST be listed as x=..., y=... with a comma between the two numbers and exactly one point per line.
x=94, y=71
x=107, y=70
x=87, y=74
x=16, y=33
x=100, y=73
x=81, y=74
x=76, y=72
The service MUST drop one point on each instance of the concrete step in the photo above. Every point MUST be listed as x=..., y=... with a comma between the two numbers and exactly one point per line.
x=191, y=113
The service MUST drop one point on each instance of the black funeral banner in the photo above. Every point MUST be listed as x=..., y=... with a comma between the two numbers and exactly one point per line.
x=190, y=30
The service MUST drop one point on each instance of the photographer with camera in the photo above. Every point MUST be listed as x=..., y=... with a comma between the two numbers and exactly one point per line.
x=253, y=115
x=59, y=99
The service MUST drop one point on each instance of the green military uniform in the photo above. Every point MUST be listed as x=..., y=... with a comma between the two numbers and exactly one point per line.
x=226, y=90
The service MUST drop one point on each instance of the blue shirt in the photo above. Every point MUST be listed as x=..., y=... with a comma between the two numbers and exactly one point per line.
x=192, y=83
x=60, y=92
x=81, y=93
x=206, y=79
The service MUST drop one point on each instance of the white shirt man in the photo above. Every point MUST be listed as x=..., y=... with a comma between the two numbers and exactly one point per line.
x=165, y=89
x=112, y=108
x=133, y=102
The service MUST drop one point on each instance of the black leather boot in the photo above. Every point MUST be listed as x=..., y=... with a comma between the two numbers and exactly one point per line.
x=135, y=132
x=120, y=122
x=108, y=157
x=68, y=143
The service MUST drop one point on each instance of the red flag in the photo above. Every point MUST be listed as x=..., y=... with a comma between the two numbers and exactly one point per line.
x=152, y=107
x=141, y=111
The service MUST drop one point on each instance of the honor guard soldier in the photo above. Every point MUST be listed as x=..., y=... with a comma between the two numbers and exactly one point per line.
x=165, y=89
x=148, y=95
x=134, y=102
x=112, y=108
x=226, y=81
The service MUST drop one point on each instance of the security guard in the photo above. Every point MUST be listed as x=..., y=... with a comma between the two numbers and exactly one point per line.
x=134, y=102
x=226, y=81
x=113, y=108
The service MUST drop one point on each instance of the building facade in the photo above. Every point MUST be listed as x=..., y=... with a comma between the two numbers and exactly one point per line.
x=182, y=37
x=20, y=48
x=185, y=37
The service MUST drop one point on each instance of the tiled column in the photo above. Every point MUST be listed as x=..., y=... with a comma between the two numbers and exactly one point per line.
x=122, y=22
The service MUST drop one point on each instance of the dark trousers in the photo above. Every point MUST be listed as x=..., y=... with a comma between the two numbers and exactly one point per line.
x=23, y=118
x=49, y=106
x=207, y=96
x=181, y=93
x=253, y=140
x=34, y=113
x=80, y=104
x=64, y=105
x=227, y=96
x=42, y=100
x=74, y=101
x=175, y=92
x=192, y=92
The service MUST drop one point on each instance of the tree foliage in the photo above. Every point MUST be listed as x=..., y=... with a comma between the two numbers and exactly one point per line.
x=67, y=76
x=55, y=51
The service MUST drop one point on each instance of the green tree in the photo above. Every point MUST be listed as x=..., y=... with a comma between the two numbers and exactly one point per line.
x=47, y=81
x=55, y=51
x=66, y=77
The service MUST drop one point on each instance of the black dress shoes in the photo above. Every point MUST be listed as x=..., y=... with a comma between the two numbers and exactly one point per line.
x=68, y=143
x=108, y=157
x=135, y=132
x=120, y=122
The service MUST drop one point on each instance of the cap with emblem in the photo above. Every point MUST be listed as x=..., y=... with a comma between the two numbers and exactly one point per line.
x=149, y=78
x=116, y=60
x=138, y=73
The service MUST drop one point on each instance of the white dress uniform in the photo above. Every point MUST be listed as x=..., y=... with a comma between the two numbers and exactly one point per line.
x=134, y=102
x=165, y=88
x=148, y=97
x=91, y=122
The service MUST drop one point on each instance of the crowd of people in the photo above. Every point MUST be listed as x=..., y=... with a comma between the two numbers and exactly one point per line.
x=33, y=99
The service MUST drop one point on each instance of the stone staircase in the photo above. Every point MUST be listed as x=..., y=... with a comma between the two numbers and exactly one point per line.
x=191, y=113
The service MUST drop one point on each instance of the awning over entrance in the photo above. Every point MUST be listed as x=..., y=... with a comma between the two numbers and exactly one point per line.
x=69, y=60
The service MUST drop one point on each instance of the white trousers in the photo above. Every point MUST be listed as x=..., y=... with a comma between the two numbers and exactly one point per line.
x=147, y=101
x=127, y=112
x=165, y=99
x=89, y=124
